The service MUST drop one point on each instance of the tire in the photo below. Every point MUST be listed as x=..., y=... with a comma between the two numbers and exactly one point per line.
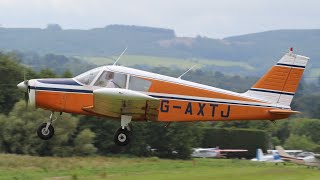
x=122, y=137
x=45, y=135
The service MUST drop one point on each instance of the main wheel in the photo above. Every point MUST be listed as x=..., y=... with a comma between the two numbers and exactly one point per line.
x=122, y=137
x=43, y=133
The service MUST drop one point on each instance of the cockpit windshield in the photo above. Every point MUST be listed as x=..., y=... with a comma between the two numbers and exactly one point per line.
x=87, y=77
x=105, y=78
x=111, y=80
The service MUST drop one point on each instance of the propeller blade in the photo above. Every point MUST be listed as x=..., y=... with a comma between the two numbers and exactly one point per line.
x=26, y=94
x=26, y=98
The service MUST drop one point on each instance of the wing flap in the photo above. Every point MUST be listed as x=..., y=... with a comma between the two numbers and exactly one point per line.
x=114, y=102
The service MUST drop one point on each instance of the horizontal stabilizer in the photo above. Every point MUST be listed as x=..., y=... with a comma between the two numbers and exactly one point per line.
x=282, y=111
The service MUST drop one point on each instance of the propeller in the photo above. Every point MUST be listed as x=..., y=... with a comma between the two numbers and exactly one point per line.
x=26, y=93
x=25, y=86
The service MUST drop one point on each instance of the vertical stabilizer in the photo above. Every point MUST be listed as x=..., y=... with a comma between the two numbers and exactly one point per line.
x=282, y=152
x=259, y=154
x=280, y=83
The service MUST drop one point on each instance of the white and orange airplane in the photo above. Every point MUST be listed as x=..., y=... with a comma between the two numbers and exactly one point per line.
x=133, y=95
x=304, y=158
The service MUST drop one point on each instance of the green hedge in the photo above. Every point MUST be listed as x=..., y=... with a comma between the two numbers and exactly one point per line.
x=230, y=138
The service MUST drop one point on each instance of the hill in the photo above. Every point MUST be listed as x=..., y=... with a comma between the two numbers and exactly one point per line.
x=260, y=50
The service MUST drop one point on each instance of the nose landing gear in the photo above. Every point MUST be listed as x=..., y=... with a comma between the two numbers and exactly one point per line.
x=45, y=131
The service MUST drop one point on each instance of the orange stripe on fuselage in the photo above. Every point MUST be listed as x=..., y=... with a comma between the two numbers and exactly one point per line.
x=169, y=110
x=172, y=88
x=173, y=110
x=64, y=102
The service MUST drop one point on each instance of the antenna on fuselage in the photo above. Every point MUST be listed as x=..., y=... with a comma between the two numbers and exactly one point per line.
x=120, y=56
x=187, y=71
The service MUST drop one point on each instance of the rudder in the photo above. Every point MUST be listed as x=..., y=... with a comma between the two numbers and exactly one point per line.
x=259, y=154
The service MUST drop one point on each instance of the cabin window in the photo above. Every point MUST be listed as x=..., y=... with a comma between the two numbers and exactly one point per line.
x=139, y=84
x=87, y=77
x=111, y=80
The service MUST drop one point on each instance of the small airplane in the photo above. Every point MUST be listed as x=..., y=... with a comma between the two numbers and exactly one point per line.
x=274, y=157
x=129, y=95
x=304, y=158
x=213, y=152
x=290, y=152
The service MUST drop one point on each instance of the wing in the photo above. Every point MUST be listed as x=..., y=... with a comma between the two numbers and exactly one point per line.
x=114, y=102
x=317, y=156
x=232, y=150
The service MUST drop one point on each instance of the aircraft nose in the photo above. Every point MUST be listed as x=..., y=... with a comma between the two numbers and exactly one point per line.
x=22, y=86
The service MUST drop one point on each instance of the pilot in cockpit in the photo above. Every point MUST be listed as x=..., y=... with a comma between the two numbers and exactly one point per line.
x=106, y=80
x=110, y=80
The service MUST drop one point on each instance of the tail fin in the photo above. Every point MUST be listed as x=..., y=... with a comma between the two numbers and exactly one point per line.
x=280, y=83
x=259, y=154
x=281, y=151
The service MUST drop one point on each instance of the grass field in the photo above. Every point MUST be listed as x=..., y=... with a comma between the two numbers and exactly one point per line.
x=28, y=167
x=132, y=60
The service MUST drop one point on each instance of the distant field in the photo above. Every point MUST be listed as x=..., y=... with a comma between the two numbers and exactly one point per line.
x=27, y=167
x=162, y=61
x=315, y=72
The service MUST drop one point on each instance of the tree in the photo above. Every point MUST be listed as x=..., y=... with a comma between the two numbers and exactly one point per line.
x=18, y=134
x=83, y=143
x=308, y=127
x=11, y=73
x=309, y=104
x=282, y=131
x=54, y=27
x=300, y=142
x=175, y=141
x=47, y=73
x=179, y=137
x=67, y=74
x=105, y=129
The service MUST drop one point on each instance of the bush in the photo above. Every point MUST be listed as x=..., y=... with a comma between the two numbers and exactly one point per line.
x=227, y=138
x=18, y=134
x=300, y=142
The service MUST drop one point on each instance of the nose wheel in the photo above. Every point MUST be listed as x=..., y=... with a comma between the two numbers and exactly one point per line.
x=45, y=131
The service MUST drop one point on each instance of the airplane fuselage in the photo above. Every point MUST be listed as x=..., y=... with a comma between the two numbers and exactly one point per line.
x=180, y=100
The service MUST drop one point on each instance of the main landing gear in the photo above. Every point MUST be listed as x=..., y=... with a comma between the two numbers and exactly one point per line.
x=123, y=134
x=121, y=137
x=45, y=131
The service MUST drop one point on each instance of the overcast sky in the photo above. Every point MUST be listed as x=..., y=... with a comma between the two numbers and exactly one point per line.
x=216, y=19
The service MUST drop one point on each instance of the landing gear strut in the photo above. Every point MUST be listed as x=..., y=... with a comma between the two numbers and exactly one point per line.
x=123, y=134
x=45, y=131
